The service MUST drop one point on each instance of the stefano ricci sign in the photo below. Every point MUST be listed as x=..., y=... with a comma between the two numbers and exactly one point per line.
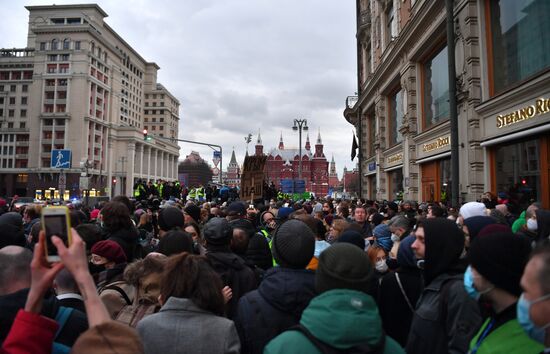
x=437, y=143
x=540, y=107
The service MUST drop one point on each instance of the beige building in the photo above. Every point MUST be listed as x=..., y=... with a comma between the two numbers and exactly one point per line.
x=401, y=113
x=79, y=86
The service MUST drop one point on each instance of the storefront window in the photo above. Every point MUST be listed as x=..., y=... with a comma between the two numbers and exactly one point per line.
x=518, y=172
x=436, y=89
x=518, y=29
x=395, y=117
x=396, y=184
x=445, y=180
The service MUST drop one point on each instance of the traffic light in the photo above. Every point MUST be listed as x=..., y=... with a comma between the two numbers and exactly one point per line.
x=146, y=137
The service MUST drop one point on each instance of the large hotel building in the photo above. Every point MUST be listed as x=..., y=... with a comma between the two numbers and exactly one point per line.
x=401, y=112
x=79, y=86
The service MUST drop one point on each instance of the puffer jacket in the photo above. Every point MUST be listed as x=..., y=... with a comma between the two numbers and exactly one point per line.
x=340, y=318
x=276, y=306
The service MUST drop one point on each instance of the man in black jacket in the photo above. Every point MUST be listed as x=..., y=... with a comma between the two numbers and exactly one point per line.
x=15, y=281
x=446, y=318
x=283, y=294
x=232, y=268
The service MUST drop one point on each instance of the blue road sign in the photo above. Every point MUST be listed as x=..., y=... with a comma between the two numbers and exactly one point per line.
x=217, y=154
x=61, y=159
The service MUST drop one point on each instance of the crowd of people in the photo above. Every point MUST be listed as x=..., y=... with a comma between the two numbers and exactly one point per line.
x=317, y=276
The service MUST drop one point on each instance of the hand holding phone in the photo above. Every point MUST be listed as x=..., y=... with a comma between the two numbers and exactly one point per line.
x=55, y=222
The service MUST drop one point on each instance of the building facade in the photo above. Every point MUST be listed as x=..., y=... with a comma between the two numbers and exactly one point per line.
x=283, y=163
x=232, y=176
x=503, y=99
x=79, y=86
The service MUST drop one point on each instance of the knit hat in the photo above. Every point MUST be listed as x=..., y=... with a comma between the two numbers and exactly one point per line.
x=472, y=209
x=354, y=237
x=175, y=242
x=236, y=208
x=217, y=231
x=377, y=219
x=293, y=244
x=94, y=213
x=109, y=337
x=343, y=266
x=493, y=228
x=382, y=234
x=476, y=223
x=501, y=258
x=110, y=250
x=284, y=212
x=194, y=212
x=170, y=218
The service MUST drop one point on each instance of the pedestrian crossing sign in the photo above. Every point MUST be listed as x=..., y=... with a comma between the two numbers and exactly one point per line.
x=61, y=159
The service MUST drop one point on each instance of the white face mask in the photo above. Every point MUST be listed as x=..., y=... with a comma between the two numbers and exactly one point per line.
x=532, y=225
x=394, y=238
x=381, y=266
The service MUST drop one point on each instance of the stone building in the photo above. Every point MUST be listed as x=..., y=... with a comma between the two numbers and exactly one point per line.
x=79, y=86
x=503, y=98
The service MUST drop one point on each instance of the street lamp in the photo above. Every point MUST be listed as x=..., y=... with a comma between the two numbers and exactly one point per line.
x=299, y=125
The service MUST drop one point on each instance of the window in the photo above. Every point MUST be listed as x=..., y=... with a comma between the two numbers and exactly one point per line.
x=64, y=57
x=23, y=100
x=1, y=100
x=12, y=100
x=25, y=88
x=50, y=82
x=22, y=125
x=1, y=88
x=54, y=44
x=395, y=115
x=4, y=75
x=10, y=125
x=12, y=88
x=63, y=68
x=391, y=23
x=23, y=113
x=515, y=51
x=11, y=113
x=52, y=57
x=52, y=68
x=77, y=45
x=66, y=43
x=436, y=89
x=42, y=45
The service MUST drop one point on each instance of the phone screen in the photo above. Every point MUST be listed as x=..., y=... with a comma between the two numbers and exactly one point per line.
x=55, y=225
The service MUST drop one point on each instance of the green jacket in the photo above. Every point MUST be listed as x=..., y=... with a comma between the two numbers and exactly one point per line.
x=509, y=338
x=341, y=318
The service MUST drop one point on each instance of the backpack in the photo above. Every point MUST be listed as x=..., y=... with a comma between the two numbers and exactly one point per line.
x=63, y=314
x=325, y=348
x=132, y=314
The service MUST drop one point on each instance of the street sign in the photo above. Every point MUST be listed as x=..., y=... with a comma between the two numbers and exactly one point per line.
x=84, y=183
x=61, y=159
x=217, y=154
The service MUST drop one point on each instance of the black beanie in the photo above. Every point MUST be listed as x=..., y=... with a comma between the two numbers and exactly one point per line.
x=501, y=258
x=293, y=244
x=170, y=218
x=343, y=266
x=175, y=242
x=194, y=212
x=352, y=237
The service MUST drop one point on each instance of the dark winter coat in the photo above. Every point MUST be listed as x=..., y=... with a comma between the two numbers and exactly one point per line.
x=276, y=305
x=10, y=304
x=235, y=274
x=258, y=251
x=127, y=239
x=543, y=223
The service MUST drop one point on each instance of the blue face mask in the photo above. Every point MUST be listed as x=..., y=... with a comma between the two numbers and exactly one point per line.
x=524, y=318
x=469, y=284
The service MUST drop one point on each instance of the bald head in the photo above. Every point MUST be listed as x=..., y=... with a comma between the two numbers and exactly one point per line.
x=15, y=269
x=502, y=208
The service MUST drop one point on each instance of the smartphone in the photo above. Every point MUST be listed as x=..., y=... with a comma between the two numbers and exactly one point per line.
x=56, y=222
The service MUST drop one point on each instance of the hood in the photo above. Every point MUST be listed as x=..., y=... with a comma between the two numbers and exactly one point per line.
x=476, y=223
x=228, y=259
x=288, y=290
x=354, y=313
x=11, y=230
x=444, y=244
x=405, y=254
x=543, y=222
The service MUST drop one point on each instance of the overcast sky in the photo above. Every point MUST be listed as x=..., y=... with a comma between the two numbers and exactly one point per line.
x=239, y=65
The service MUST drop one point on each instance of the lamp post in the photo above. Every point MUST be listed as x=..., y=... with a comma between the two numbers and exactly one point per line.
x=299, y=125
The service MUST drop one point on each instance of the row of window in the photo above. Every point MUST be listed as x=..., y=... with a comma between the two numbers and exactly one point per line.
x=13, y=88
x=16, y=75
x=154, y=120
x=11, y=100
x=11, y=113
x=12, y=125
x=56, y=44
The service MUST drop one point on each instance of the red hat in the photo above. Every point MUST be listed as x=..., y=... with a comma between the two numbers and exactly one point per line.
x=110, y=250
x=94, y=213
